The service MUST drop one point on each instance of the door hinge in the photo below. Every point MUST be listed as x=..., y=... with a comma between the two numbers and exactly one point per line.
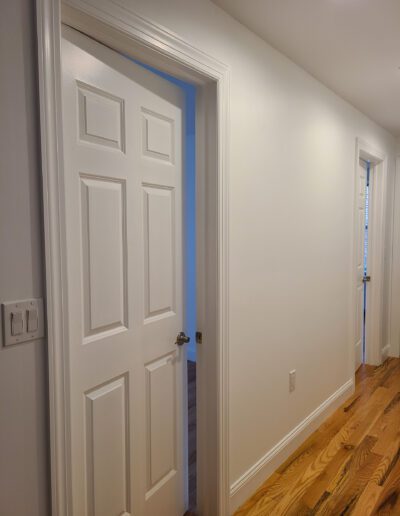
x=199, y=337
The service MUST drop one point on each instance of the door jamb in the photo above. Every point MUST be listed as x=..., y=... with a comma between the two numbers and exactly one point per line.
x=125, y=31
x=374, y=343
x=393, y=343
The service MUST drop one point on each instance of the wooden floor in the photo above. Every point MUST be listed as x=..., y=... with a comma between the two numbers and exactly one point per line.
x=351, y=464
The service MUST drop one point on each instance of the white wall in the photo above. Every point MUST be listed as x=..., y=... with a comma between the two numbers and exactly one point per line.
x=291, y=203
x=23, y=397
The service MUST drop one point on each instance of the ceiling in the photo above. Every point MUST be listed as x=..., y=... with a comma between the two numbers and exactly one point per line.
x=352, y=46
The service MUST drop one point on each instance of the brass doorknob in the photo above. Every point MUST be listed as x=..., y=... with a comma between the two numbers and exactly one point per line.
x=182, y=339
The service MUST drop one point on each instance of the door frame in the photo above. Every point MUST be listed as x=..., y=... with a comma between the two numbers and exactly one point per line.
x=125, y=31
x=374, y=352
x=393, y=343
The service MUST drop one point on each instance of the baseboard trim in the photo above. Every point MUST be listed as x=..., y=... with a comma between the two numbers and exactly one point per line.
x=242, y=488
x=385, y=352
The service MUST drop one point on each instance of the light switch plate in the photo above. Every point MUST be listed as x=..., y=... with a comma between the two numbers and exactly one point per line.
x=22, y=306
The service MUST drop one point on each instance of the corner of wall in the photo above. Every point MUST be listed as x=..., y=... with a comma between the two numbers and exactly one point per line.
x=245, y=485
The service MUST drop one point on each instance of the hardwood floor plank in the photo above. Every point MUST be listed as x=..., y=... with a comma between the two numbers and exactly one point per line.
x=318, y=490
x=350, y=435
x=263, y=507
x=392, y=381
x=351, y=464
x=276, y=487
x=389, y=499
x=261, y=493
x=387, y=428
x=352, y=480
x=295, y=494
x=368, y=414
x=373, y=490
x=367, y=500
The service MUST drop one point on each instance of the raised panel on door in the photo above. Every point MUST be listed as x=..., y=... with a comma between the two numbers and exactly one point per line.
x=161, y=422
x=158, y=136
x=159, y=250
x=104, y=260
x=107, y=449
x=101, y=117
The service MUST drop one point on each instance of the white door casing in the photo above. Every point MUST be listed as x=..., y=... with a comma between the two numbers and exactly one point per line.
x=374, y=352
x=141, y=38
x=123, y=202
x=362, y=183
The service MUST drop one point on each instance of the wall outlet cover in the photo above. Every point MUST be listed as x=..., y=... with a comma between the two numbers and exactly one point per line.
x=292, y=380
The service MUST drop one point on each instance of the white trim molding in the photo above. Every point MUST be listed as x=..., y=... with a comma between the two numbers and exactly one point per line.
x=113, y=22
x=245, y=485
x=125, y=31
x=48, y=31
x=385, y=352
x=394, y=279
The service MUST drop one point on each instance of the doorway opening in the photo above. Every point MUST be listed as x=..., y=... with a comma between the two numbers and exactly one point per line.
x=369, y=244
x=189, y=283
x=140, y=39
x=366, y=278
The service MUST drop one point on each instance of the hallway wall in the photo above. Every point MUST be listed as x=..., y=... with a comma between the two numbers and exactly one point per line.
x=24, y=480
x=292, y=159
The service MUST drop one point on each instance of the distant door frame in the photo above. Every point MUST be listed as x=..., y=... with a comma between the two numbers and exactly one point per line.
x=394, y=276
x=125, y=31
x=374, y=350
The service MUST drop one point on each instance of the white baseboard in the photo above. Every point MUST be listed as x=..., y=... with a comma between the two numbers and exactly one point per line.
x=385, y=352
x=245, y=486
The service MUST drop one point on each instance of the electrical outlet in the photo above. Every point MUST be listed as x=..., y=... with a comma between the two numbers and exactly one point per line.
x=292, y=380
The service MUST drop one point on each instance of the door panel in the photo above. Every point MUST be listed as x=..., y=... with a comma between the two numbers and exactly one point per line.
x=161, y=410
x=101, y=117
x=158, y=136
x=104, y=272
x=122, y=130
x=107, y=447
x=159, y=250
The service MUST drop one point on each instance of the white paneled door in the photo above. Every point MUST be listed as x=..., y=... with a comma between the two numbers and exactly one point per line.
x=362, y=190
x=123, y=201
